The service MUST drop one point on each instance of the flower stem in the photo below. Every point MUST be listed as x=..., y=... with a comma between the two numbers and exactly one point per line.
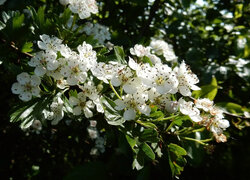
x=167, y=118
x=203, y=142
x=112, y=87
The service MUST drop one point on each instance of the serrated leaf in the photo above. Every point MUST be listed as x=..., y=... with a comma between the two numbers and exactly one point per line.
x=27, y=47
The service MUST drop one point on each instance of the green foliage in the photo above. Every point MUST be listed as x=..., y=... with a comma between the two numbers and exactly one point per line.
x=207, y=91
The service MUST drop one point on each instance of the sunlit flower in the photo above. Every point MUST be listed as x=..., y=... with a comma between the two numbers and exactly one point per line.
x=187, y=108
x=81, y=105
x=27, y=86
x=187, y=79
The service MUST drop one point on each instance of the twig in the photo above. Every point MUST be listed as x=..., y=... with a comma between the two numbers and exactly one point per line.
x=12, y=45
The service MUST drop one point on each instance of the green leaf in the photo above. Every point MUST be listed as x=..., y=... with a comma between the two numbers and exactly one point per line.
x=149, y=135
x=120, y=55
x=231, y=107
x=27, y=47
x=145, y=59
x=73, y=93
x=111, y=115
x=18, y=21
x=176, y=159
x=40, y=15
x=207, y=91
x=179, y=151
x=147, y=124
x=238, y=11
x=148, y=151
x=131, y=141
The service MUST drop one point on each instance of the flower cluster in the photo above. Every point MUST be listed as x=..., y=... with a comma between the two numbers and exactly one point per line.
x=141, y=85
x=83, y=8
x=98, y=31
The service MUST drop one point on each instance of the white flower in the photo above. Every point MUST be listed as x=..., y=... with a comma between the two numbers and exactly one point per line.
x=124, y=77
x=83, y=7
x=187, y=79
x=163, y=101
x=75, y=71
x=49, y=43
x=204, y=104
x=160, y=77
x=140, y=50
x=81, y=105
x=105, y=72
x=218, y=125
x=160, y=47
x=187, y=108
x=65, y=51
x=89, y=90
x=27, y=86
x=56, y=112
x=87, y=55
x=133, y=103
x=44, y=61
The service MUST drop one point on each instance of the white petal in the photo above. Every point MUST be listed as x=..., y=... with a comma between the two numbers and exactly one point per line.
x=35, y=91
x=129, y=88
x=87, y=112
x=119, y=104
x=82, y=77
x=129, y=114
x=115, y=81
x=196, y=118
x=77, y=110
x=185, y=91
x=144, y=109
x=25, y=96
x=223, y=123
x=35, y=80
x=42, y=45
x=132, y=64
x=194, y=87
x=52, y=65
x=73, y=101
x=40, y=71
x=72, y=80
x=16, y=88
x=23, y=78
